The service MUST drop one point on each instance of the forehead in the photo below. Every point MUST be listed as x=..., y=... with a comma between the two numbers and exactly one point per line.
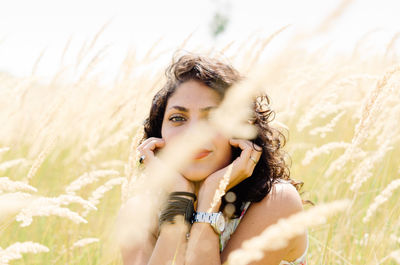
x=194, y=94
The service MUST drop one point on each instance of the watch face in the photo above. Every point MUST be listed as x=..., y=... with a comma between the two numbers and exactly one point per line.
x=220, y=223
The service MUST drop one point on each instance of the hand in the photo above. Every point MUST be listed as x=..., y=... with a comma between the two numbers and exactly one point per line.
x=147, y=151
x=242, y=168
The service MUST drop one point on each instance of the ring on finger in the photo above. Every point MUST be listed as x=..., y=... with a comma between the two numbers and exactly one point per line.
x=141, y=159
x=253, y=159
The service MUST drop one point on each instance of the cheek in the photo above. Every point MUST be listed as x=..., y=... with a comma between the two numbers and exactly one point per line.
x=224, y=149
x=169, y=132
x=197, y=171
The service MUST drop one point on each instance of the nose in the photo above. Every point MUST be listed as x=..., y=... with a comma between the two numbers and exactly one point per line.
x=196, y=118
x=193, y=122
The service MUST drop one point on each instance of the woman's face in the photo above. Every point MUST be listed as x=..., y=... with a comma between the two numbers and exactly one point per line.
x=189, y=104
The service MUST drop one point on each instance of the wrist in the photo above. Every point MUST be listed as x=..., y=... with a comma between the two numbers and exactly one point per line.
x=207, y=197
x=209, y=206
x=179, y=229
x=216, y=220
x=183, y=187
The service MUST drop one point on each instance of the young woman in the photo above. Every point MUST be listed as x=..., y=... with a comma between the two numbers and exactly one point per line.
x=258, y=194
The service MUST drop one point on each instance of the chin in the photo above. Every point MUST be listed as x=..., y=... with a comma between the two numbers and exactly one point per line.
x=195, y=176
x=200, y=172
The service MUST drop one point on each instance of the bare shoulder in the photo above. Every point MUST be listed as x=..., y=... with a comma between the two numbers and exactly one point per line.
x=282, y=202
x=283, y=199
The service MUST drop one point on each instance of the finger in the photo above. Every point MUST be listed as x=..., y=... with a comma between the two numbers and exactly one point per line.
x=241, y=143
x=150, y=147
x=254, y=158
x=256, y=147
x=246, y=143
x=250, y=164
x=250, y=153
x=257, y=152
x=147, y=148
x=156, y=143
x=151, y=144
x=246, y=151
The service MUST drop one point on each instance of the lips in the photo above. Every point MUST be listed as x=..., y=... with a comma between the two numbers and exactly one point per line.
x=202, y=153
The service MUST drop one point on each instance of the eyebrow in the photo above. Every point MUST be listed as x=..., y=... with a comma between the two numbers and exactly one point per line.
x=183, y=109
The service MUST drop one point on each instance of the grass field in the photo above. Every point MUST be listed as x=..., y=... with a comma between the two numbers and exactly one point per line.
x=66, y=147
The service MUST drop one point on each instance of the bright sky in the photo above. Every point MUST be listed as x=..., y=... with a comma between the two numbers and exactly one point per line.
x=29, y=27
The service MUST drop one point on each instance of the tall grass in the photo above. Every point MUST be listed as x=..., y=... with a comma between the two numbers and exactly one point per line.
x=67, y=152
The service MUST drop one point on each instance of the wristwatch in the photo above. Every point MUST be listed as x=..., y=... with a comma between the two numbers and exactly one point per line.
x=216, y=220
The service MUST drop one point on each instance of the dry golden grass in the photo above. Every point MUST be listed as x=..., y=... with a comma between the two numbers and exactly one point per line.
x=68, y=160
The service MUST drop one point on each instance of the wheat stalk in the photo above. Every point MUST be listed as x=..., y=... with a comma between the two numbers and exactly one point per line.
x=46, y=206
x=278, y=235
x=12, y=203
x=324, y=149
x=7, y=185
x=40, y=159
x=84, y=242
x=88, y=178
x=16, y=250
x=364, y=170
x=223, y=184
x=393, y=255
x=322, y=131
x=395, y=239
x=4, y=149
x=381, y=198
x=11, y=163
x=100, y=191
x=370, y=109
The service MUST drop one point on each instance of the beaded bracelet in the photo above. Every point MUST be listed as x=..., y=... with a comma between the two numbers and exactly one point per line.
x=178, y=205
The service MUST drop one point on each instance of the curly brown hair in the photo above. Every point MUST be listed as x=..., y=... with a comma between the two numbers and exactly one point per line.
x=220, y=77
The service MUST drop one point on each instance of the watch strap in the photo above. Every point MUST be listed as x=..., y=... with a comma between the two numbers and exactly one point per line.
x=212, y=218
x=204, y=217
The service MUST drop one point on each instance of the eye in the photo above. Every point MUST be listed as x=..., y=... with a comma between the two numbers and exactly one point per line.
x=177, y=118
